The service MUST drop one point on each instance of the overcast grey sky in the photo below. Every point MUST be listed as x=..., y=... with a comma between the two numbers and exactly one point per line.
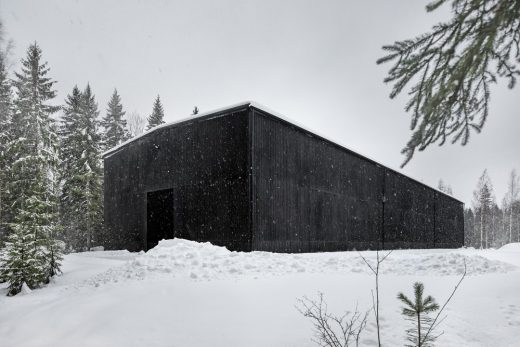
x=313, y=61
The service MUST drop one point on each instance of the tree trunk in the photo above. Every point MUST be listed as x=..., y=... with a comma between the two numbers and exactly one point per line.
x=419, y=342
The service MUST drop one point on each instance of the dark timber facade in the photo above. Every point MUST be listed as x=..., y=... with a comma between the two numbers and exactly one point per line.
x=247, y=179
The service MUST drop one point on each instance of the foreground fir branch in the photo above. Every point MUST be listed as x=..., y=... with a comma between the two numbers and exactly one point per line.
x=452, y=68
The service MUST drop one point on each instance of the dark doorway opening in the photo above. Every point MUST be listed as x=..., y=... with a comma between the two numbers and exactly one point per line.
x=159, y=217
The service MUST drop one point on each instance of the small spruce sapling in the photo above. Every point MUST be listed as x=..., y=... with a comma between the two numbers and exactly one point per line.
x=54, y=253
x=417, y=313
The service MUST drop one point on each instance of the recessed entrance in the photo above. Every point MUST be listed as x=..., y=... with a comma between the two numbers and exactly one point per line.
x=159, y=217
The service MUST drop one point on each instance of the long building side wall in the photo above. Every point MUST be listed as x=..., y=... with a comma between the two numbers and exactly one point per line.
x=205, y=162
x=449, y=222
x=309, y=195
x=409, y=211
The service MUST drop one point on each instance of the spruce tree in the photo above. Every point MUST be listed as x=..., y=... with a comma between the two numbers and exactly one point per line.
x=81, y=202
x=21, y=261
x=70, y=134
x=195, y=111
x=33, y=176
x=5, y=138
x=70, y=145
x=89, y=171
x=114, y=124
x=157, y=116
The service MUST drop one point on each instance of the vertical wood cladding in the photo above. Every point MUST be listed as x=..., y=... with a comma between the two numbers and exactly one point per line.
x=449, y=222
x=409, y=213
x=310, y=194
x=204, y=161
x=248, y=180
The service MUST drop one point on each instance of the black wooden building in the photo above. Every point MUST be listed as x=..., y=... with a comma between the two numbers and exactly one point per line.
x=246, y=178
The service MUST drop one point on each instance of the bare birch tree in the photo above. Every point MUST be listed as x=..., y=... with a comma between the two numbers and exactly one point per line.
x=136, y=124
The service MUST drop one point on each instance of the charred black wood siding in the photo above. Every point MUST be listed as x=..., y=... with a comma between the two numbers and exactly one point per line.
x=449, y=222
x=310, y=194
x=409, y=213
x=204, y=161
x=249, y=180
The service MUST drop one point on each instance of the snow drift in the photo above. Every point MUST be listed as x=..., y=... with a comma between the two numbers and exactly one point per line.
x=511, y=247
x=184, y=293
x=181, y=258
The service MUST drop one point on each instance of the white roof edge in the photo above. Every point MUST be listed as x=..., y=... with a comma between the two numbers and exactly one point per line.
x=276, y=114
x=165, y=125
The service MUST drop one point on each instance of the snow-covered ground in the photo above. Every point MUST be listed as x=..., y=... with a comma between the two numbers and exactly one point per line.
x=183, y=293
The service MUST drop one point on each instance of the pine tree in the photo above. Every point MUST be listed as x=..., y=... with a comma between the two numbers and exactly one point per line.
x=195, y=111
x=157, y=116
x=483, y=201
x=33, y=152
x=452, y=68
x=417, y=313
x=81, y=199
x=114, y=124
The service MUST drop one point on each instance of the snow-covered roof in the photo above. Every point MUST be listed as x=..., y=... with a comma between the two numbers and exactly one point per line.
x=273, y=113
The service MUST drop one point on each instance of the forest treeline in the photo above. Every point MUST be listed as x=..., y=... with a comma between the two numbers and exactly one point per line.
x=51, y=177
x=488, y=223
x=52, y=173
